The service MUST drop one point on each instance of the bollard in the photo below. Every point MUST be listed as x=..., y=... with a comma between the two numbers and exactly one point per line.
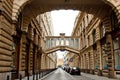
x=28, y=77
x=8, y=78
x=33, y=77
x=20, y=77
x=39, y=75
x=36, y=76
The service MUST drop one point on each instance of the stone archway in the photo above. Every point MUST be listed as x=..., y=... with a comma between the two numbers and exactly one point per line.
x=31, y=9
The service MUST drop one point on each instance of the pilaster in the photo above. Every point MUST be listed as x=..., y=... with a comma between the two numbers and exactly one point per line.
x=110, y=55
x=22, y=56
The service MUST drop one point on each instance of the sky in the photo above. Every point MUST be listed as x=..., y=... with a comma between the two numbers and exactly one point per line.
x=63, y=22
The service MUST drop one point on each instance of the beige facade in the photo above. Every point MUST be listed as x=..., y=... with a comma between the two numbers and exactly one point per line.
x=72, y=59
x=60, y=62
x=22, y=38
x=23, y=53
x=96, y=45
x=48, y=61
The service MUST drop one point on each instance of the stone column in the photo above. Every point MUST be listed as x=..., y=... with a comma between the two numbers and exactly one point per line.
x=81, y=62
x=30, y=58
x=99, y=58
x=34, y=60
x=110, y=55
x=22, y=54
x=92, y=61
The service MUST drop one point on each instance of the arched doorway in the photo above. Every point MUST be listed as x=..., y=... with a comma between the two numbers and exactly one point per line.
x=30, y=11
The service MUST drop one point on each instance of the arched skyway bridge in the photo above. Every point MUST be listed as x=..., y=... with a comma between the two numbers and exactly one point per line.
x=62, y=42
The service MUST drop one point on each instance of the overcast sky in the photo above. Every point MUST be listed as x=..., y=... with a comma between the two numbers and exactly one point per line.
x=63, y=22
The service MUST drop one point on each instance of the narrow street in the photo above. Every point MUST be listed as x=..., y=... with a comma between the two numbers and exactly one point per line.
x=60, y=74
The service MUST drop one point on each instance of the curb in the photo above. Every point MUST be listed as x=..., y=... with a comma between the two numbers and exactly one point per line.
x=47, y=75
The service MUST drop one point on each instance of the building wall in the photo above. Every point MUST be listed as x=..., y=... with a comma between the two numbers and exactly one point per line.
x=96, y=44
x=60, y=62
x=21, y=51
x=11, y=34
x=49, y=61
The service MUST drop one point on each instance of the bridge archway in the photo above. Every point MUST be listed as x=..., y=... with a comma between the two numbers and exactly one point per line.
x=32, y=8
x=62, y=48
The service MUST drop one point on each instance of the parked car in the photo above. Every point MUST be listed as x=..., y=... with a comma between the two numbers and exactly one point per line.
x=75, y=71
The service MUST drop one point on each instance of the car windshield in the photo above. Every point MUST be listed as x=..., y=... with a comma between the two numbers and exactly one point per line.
x=74, y=68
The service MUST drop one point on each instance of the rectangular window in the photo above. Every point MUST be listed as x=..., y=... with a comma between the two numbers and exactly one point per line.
x=116, y=43
x=114, y=21
x=94, y=36
x=88, y=40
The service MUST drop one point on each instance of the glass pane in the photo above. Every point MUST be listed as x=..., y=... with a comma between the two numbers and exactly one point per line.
x=117, y=59
x=57, y=41
x=62, y=41
x=67, y=41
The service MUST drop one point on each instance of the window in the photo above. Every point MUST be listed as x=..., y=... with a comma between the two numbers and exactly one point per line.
x=88, y=40
x=87, y=19
x=114, y=21
x=116, y=43
x=95, y=56
x=83, y=22
x=52, y=43
x=13, y=61
x=102, y=30
x=94, y=35
x=81, y=43
x=104, y=55
x=72, y=42
x=34, y=35
x=15, y=54
x=48, y=43
x=62, y=41
x=29, y=31
x=84, y=41
x=76, y=43
x=67, y=41
x=19, y=21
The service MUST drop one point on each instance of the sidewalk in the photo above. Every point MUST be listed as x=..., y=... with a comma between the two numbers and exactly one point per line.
x=96, y=77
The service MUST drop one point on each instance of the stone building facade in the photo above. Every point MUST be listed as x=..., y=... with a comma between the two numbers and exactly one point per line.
x=72, y=60
x=99, y=44
x=22, y=52
x=21, y=35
